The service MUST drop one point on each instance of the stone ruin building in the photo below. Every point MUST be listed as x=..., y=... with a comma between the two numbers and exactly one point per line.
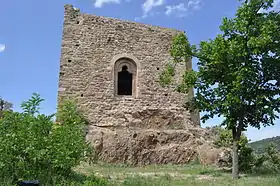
x=111, y=68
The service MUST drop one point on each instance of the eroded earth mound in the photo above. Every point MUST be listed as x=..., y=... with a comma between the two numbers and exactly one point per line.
x=151, y=146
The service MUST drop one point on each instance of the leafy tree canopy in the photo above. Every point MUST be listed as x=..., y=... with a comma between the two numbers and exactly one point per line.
x=238, y=75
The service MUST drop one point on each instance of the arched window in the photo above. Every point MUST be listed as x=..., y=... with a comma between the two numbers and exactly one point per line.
x=125, y=79
x=125, y=71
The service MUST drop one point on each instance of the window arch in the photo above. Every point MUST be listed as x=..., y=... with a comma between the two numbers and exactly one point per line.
x=125, y=77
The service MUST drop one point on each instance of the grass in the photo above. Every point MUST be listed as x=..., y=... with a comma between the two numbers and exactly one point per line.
x=175, y=175
x=104, y=174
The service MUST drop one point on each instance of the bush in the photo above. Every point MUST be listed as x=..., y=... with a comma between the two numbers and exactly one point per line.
x=269, y=161
x=246, y=156
x=34, y=146
x=265, y=163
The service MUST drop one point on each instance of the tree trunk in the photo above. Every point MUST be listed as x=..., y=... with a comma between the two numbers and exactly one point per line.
x=236, y=134
x=235, y=172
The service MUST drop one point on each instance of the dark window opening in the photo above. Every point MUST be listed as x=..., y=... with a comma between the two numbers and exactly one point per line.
x=124, y=82
x=109, y=39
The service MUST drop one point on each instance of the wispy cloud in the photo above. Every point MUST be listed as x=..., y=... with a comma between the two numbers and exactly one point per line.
x=148, y=5
x=100, y=3
x=194, y=4
x=180, y=9
x=183, y=9
x=2, y=47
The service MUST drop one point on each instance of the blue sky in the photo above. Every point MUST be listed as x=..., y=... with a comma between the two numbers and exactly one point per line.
x=31, y=31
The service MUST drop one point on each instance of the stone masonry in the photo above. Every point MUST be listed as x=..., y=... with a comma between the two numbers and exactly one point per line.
x=95, y=51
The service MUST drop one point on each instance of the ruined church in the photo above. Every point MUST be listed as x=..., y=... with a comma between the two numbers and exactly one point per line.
x=111, y=67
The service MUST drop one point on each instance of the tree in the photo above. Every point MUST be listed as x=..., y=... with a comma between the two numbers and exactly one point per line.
x=5, y=106
x=238, y=76
x=246, y=155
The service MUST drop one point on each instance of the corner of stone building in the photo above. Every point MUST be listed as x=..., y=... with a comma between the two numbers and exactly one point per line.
x=70, y=8
x=70, y=13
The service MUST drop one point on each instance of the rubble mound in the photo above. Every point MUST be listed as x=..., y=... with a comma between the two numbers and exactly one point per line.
x=151, y=146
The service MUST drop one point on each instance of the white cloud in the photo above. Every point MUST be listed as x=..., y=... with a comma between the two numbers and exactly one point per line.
x=150, y=4
x=194, y=4
x=2, y=47
x=100, y=3
x=182, y=9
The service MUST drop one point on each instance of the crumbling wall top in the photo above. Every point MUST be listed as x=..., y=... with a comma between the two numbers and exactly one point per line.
x=72, y=12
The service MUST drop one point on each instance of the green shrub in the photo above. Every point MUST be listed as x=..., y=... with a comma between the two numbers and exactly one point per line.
x=224, y=138
x=246, y=154
x=269, y=161
x=246, y=158
x=266, y=163
x=33, y=146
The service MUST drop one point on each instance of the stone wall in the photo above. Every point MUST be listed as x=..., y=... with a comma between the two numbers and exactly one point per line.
x=91, y=46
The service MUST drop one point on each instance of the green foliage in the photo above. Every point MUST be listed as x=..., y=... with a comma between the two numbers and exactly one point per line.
x=180, y=53
x=166, y=75
x=95, y=181
x=188, y=79
x=246, y=154
x=180, y=49
x=68, y=139
x=246, y=158
x=147, y=181
x=260, y=146
x=269, y=161
x=238, y=75
x=225, y=138
x=5, y=106
x=32, y=145
x=266, y=162
x=72, y=180
x=31, y=106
